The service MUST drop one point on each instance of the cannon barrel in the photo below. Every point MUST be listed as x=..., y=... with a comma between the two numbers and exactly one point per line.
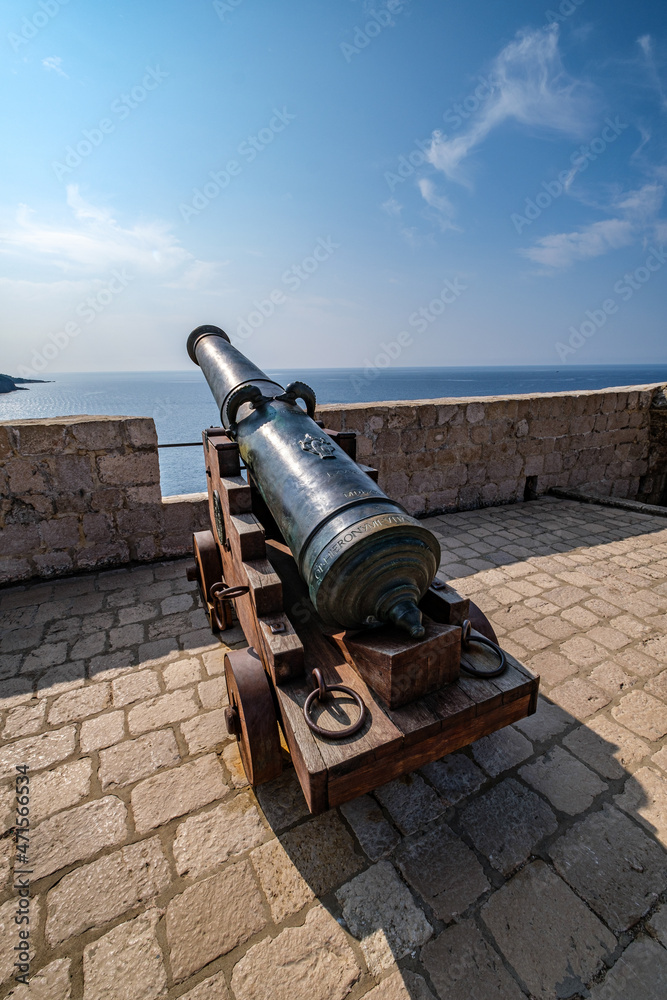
x=363, y=557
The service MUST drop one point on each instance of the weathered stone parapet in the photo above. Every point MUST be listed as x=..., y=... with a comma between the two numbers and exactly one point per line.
x=440, y=455
x=84, y=492
x=653, y=487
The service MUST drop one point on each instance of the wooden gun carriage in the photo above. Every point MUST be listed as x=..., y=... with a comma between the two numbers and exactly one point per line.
x=417, y=704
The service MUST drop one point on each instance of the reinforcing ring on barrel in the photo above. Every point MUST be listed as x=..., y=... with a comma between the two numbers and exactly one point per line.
x=466, y=638
x=218, y=593
x=319, y=694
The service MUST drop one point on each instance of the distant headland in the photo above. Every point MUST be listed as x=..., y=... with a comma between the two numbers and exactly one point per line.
x=10, y=384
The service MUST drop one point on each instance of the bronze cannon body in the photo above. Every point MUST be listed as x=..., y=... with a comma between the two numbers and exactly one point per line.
x=364, y=558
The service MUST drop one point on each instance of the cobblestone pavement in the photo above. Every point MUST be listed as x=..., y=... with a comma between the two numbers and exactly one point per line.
x=531, y=864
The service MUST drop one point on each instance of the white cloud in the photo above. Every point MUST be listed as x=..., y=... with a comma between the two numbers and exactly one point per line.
x=532, y=88
x=645, y=43
x=636, y=215
x=94, y=242
x=439, y=202
x=392, y=207
x=55, y=63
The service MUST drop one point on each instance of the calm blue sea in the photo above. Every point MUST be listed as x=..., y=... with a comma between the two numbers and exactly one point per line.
x=181, y=404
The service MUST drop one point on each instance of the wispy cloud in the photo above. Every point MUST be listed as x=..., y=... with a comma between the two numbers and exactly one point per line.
x=645, y=43
x=392, y=207
x=55, y=63
x=531, y=87
x=443, y=206
x=95, y=242
x=636, y=215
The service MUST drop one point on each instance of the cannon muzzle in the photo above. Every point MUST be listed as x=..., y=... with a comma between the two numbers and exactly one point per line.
x=364, y=558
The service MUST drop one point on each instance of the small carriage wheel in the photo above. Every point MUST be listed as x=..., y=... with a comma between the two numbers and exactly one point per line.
x=208, y=571
x=251, y=716
x=319, y=694
x=466, y=638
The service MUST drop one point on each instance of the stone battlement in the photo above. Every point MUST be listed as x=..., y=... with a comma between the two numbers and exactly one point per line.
x=81, y=493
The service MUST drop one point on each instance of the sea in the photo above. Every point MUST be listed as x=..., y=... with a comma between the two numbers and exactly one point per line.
x=181, y=404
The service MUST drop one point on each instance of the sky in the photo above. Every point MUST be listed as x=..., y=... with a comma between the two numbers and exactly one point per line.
x=335, y=184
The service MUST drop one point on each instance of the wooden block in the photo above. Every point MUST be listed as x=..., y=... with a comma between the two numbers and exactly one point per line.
x=347, y=440
x=235, y=495
x=370, y=471
x=222, y=451
x=442, y=603
x=399, y=669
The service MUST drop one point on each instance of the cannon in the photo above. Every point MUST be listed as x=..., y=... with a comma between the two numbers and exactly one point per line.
x=365, y=660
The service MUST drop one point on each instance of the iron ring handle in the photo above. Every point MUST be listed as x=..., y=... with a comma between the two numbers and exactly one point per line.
x=244, y=394
x=218, y=593
x=319, y=694
x=467, y=637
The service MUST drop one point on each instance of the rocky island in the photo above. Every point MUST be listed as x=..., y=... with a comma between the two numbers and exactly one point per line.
x=10, y=384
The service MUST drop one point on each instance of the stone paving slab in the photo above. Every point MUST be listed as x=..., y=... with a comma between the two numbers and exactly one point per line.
x=532, y=864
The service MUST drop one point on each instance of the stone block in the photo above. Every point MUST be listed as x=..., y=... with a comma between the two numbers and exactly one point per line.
x=607, y=747
x=206, y=841
x=134, y=469
x=455, y=777
x=548, y=721
x=568, y=784
x=312, y=962
x=37, y=752
x=140, y=432
x=98, y=434
x=443, y=870
x=126, y=963
x=506, y=824
x=162, y=711
x=135, y=687
x=50, y=983
x=205, y=732
x=323, y=852
x=213, y=693
x=462, y=966
x=59, y=789
x=40, y=437
x=135, y=759
x=644, y=798
x=158, y=799
x=410, y=802
x=80, y=703
x=281, y=800
x=521, y=923
x=181, y=672
x=77, y=834
x=282, y=883
x=613, y=865
x=71, y=473
x=501, y=750
x=643, y=714
x=381, y=913
x=213, y=916
x=377, y=837
x=103, y=731
x=92, y=895
x=579, y=698
x=24, y=720
x=639, y=974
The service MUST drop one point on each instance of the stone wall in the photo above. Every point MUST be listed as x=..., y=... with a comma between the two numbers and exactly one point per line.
x=83, y=492
x=456, y=454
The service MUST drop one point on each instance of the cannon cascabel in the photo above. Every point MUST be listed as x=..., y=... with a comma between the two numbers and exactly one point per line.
x=364, y=559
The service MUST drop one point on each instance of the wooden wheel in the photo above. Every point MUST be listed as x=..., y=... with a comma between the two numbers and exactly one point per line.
x=207, y=571
x=251, y=716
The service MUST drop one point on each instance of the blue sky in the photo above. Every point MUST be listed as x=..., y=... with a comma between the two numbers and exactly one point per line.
x=436, y=183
